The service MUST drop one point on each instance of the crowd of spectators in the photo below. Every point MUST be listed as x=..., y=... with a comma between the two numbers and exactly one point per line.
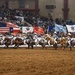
x=30, y=17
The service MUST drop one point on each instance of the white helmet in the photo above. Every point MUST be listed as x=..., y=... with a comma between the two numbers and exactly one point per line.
x=69, y=33
x=55, y=32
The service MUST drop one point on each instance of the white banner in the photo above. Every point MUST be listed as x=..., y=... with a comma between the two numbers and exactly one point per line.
x=70, y=28
x=21, y=18
x=27, y=29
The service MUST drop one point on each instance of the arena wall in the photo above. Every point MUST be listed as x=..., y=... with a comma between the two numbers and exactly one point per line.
x=2, y=2
x=30, y=4
x=72, y=10
x=57, y=12
x=13, y=4
x=25, y=4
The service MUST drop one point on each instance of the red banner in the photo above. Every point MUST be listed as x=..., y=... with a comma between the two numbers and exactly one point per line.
x=38, y=30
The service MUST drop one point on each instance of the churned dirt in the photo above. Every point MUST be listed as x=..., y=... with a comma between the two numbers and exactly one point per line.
x=37, y=61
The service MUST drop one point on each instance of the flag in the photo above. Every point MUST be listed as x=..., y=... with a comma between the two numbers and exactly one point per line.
x=27, y=29
x=4, y=29
x=50, y=28
x=14, y=30
x=70, y=28
x=8, y=27
x=11, y=29
x=38, y=30
x=2, y=24
x=60, y=28
x=8, y=24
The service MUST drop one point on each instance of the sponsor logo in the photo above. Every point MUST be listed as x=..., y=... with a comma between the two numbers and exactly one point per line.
x=27, y=28
x=72, y=28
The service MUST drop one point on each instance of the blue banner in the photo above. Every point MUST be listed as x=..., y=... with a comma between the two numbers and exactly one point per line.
x=50, y=28
x=60, y=28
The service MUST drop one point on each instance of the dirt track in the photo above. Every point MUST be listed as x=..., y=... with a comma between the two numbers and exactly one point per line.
x=37, y=62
